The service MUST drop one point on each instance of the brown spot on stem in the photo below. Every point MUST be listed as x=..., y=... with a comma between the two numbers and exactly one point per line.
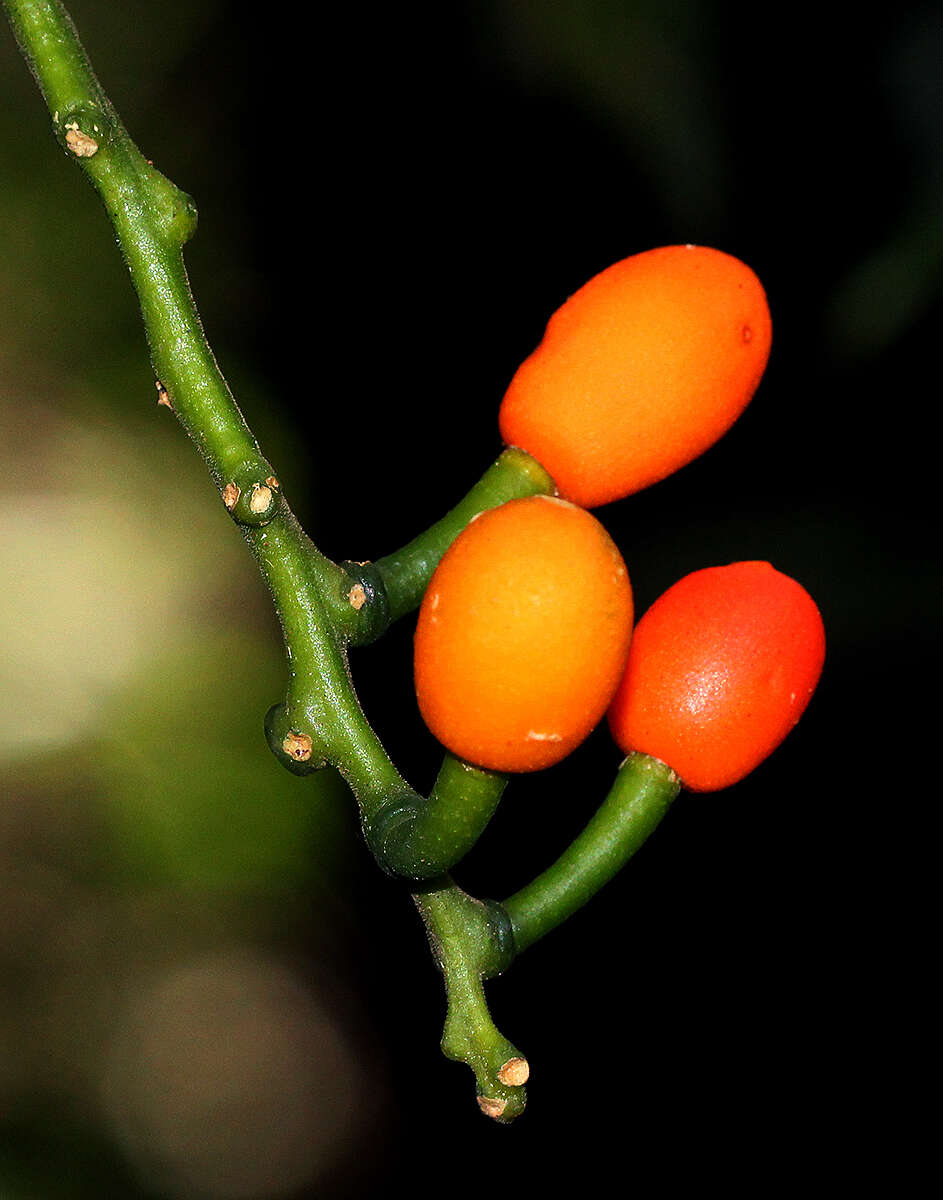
x=272, y=481
x=163, y=396
x=492, y=1107
x=515, y=1072
x=81, y=145
x=357, y=597
x=298, y=746
x=260, y=499
x=230, y=495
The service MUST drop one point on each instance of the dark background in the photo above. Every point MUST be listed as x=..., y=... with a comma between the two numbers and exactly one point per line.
x=392, y=202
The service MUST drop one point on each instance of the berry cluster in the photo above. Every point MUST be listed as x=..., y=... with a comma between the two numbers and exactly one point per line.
x=525, y=634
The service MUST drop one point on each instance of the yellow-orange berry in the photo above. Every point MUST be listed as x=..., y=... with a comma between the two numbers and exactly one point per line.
x=721, y=668
x=640, y=371
x=522, y=635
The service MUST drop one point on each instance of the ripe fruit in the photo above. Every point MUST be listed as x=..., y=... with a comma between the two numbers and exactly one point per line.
x=721, y=668
x=522, y=635
x=640, y=371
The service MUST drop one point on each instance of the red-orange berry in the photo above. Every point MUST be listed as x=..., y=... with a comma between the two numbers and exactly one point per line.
x=720, y=669
x=522, y=635
x=640, y=371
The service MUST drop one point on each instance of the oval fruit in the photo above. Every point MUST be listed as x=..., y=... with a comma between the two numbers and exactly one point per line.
x=522, y=635
x=640, y=371
x=720, y=669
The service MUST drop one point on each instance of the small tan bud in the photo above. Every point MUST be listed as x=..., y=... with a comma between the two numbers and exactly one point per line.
x=357, y=597
x=231, y=494
x=163, y=396
x=492, y=1107
x=515, y=1072
x=272, y=482
x=81, y=145
x=298, y=746
x=260, y=498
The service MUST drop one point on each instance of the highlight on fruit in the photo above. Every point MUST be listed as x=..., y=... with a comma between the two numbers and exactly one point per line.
x=640, y=371
x=720, y=669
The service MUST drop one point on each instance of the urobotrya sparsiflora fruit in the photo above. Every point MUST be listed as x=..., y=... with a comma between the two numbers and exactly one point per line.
x=640, y=371
x=720, y=669
x=522, y=635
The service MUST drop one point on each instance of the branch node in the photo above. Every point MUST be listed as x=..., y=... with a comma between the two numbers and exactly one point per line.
x=83, y=129
x=250, y=501
x=298, y=751
x=365, y=594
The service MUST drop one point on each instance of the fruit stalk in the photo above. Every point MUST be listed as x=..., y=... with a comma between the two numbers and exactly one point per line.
x=641, y=795
x=423, y=838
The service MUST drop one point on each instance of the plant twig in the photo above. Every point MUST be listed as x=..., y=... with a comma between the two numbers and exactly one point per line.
x=470, y=942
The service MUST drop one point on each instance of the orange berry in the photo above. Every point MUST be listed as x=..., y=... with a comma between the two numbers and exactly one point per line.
x=522, y=635
x=640, y=371
x=721, y=668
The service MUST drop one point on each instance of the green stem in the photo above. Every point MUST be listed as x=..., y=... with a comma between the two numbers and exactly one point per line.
x=321, y=719
x=152, y=219
x=421, y=841
x=641, y=795
x=470, y=943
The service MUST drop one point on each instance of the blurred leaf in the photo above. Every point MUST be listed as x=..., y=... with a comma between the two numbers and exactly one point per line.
x=119, y=539
x=194, y=796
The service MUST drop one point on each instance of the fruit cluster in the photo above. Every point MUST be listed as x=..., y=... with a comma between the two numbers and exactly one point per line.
x=525, y=635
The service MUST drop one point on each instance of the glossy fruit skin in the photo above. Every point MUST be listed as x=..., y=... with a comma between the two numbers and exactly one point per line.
x=721, y=668
x=640, y=371
x=522, y=635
